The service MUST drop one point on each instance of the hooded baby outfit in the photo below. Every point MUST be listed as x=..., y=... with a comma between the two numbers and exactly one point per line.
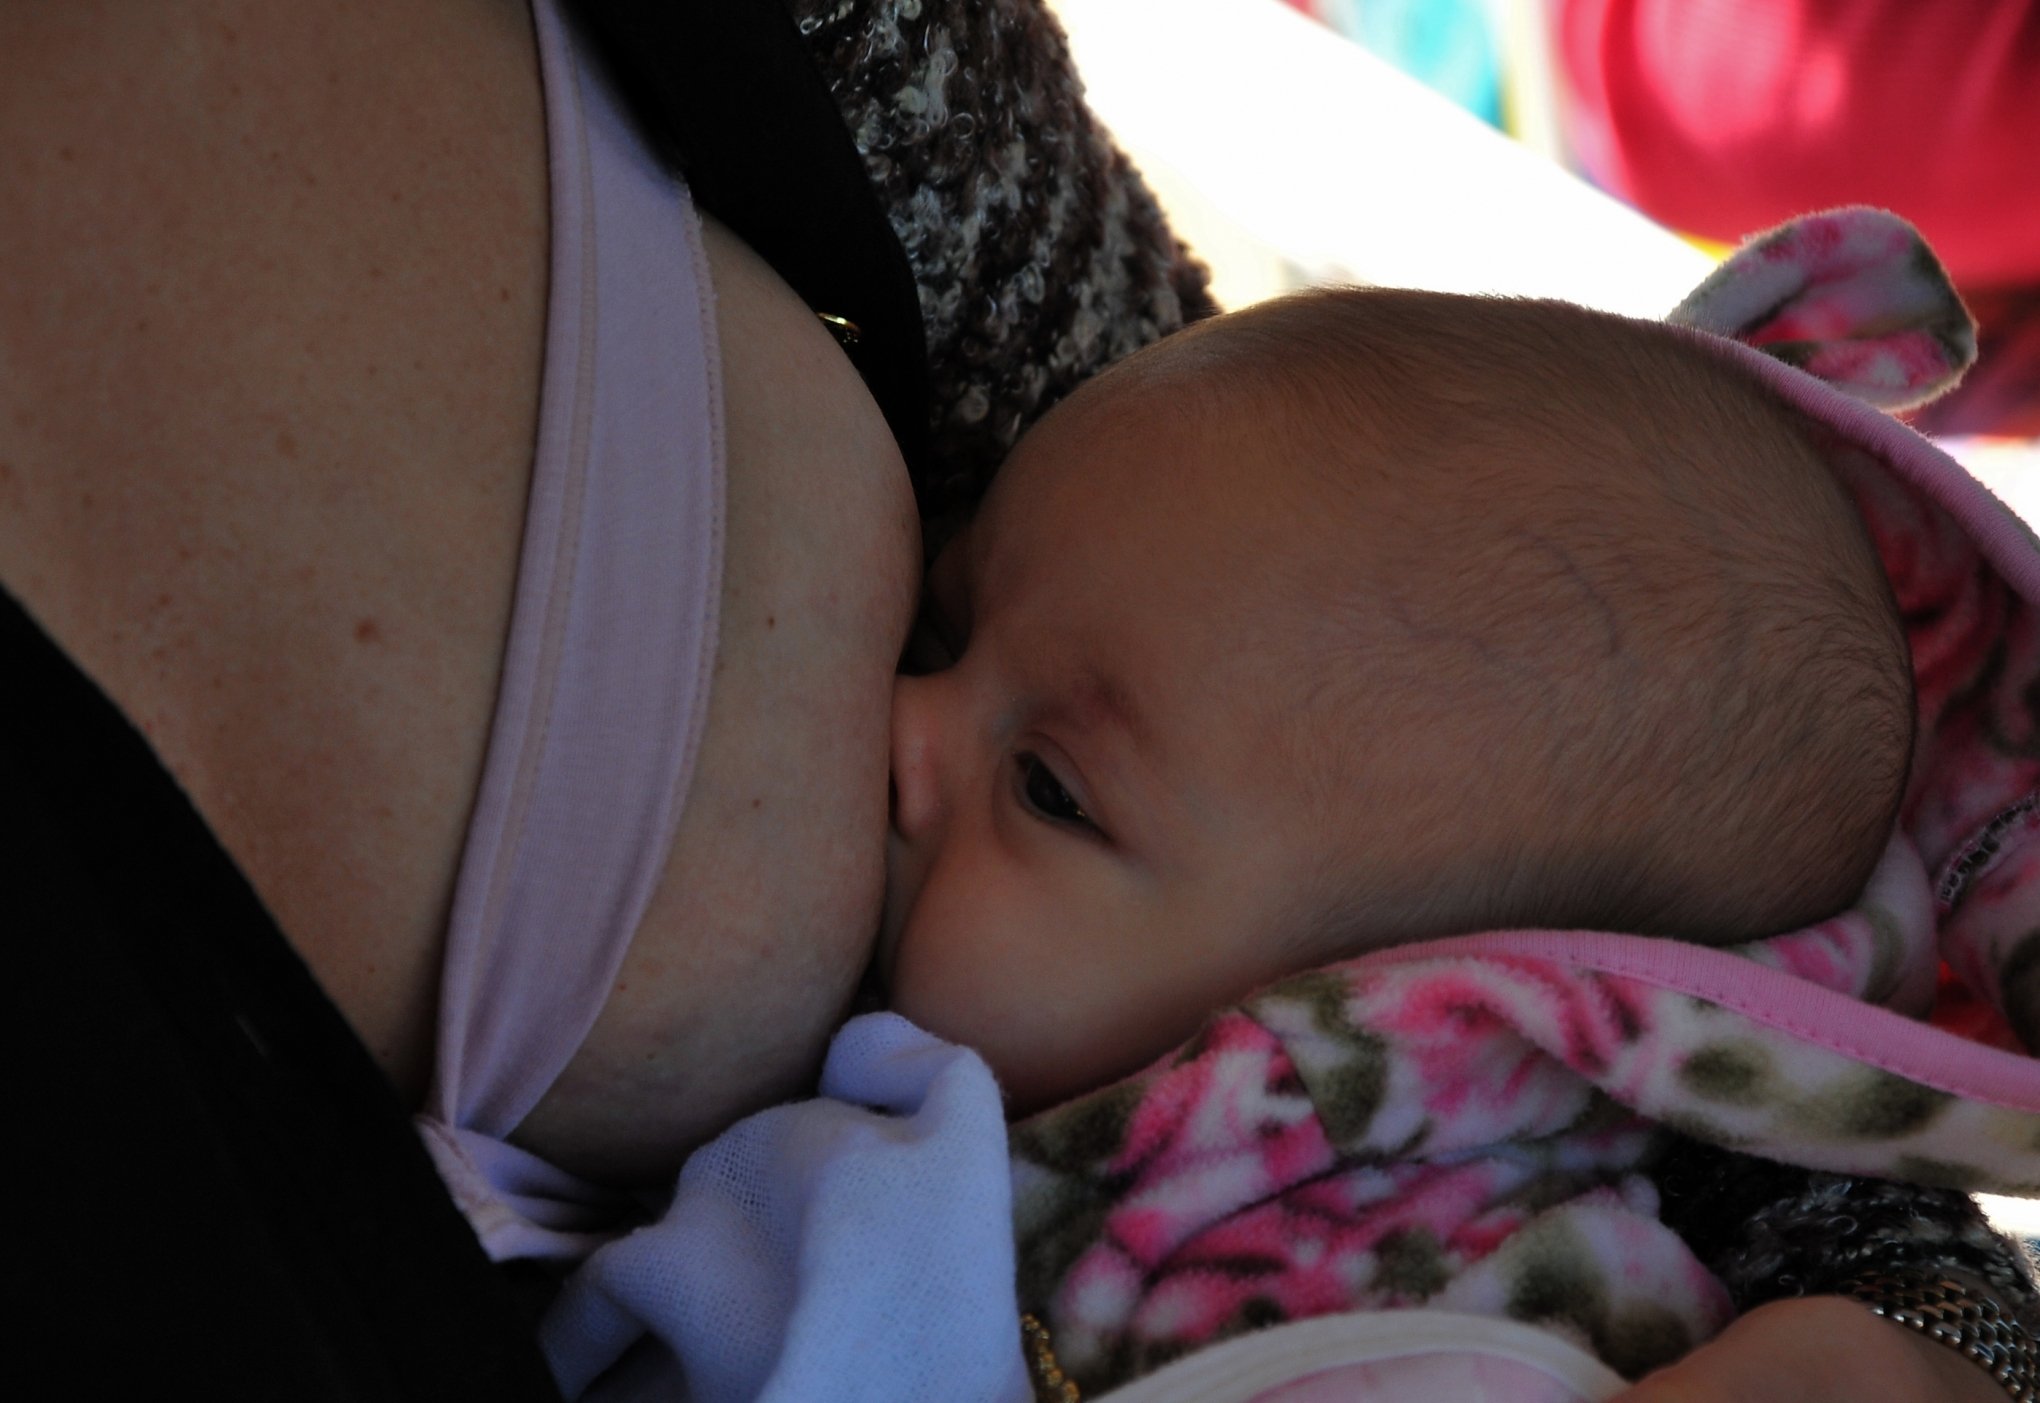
x=1471, y=1126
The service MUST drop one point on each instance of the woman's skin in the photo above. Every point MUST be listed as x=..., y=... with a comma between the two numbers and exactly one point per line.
x=1820, y=1349
x=272, y=303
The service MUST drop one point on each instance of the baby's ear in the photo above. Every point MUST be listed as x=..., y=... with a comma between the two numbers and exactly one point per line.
x=1853, y=296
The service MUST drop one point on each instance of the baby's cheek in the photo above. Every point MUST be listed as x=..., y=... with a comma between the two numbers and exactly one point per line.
x=968, y=984
x=934, y=981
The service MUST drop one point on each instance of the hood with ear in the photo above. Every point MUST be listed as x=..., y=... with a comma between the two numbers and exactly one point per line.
x=1463, y=1123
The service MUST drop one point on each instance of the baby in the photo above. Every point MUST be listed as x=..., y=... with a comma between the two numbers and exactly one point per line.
x=1353, y=620
x=1358, y=620
x=1364, y=617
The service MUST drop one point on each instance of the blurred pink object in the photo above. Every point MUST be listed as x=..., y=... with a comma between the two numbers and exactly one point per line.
x=1720, y=117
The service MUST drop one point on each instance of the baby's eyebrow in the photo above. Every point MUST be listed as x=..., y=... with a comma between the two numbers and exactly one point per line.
x=1097, y=698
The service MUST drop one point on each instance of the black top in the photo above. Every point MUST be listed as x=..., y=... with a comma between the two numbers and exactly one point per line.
x=217, y=1192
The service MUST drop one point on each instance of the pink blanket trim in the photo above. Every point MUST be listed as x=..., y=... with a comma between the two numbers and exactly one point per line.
x=1874, y=1036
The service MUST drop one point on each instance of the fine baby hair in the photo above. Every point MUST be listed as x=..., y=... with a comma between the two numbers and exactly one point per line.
x=1641, y=662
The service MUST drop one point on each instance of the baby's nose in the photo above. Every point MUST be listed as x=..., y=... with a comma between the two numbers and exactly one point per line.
x=916, y=756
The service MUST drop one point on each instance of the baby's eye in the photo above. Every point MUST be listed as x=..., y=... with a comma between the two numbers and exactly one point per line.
x=1045, y=794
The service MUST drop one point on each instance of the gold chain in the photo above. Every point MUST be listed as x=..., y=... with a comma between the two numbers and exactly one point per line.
x=1051, y=1384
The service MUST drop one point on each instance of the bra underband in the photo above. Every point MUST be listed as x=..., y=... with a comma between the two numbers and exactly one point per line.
x=605, y=679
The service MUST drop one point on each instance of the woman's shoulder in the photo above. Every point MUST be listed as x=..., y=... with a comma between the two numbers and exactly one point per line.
x=271, y=335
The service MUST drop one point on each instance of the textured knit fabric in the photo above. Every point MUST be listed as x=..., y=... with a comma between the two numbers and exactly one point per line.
x=1472, y=1124
x=1770, y=1230
x=604, y=687
x=1040, y=256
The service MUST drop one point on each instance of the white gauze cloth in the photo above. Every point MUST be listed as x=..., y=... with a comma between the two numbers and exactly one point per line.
x=855, y=1247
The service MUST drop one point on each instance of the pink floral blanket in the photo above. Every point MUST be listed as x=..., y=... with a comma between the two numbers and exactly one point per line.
x=1463, y=1124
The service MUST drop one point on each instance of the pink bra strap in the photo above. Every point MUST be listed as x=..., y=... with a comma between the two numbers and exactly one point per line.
x=612, y=639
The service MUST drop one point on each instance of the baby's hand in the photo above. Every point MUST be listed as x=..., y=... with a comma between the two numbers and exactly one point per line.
x=1820, y=1349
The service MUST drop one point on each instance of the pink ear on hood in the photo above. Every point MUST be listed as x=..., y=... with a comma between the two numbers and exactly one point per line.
x=1853, y=296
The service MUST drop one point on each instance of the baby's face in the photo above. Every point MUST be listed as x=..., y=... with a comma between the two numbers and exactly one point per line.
x=1100, y=834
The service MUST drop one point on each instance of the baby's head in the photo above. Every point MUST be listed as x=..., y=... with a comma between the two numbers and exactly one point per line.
x=1365, y=617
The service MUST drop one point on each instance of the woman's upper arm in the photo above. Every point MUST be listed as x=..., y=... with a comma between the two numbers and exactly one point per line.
x=1817, y=1349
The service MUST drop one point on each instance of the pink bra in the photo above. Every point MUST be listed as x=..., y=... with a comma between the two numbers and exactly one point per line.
x=606, y=670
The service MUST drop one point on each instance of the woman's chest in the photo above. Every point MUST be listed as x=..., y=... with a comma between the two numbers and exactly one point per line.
x=761, y=924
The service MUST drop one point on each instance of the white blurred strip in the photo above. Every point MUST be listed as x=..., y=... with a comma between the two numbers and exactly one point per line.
x=2018, y=1216
x=1288, y=153
x=2009, y=467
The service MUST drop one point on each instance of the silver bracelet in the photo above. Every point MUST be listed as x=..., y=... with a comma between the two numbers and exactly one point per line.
x=1961, y=1316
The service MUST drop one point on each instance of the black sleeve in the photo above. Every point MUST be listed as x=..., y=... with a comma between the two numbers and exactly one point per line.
x=217, y=1193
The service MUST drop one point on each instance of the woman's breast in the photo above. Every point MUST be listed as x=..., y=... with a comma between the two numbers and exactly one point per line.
x=761, y=926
